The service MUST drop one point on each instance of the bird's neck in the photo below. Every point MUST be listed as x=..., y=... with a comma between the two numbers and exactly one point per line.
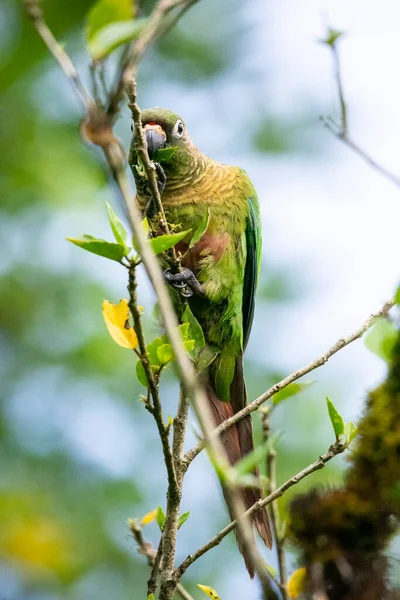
x=192, y=169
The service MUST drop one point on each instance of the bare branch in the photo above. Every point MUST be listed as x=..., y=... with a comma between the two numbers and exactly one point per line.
x=339, y=85
x=341, y=131
x=36, y=14
x=150, y=553
x=315, y=364
x=154, y=28
x=333, y=451
x=271, y=474
x=149, y=168
x=361, y=153
x=156, y=408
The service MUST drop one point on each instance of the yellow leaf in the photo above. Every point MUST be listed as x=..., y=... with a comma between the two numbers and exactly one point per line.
x=149, y=517
x=116, y=317
x=296, y=583
x=209, y=591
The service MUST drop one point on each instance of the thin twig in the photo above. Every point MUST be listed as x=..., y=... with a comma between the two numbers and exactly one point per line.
x=149, y=168
x=152, y=582
x=279, y=542
x=333, y=451
x=99, y=84
x=155, y=24
x=36, y=14
x=156, y=408
x=315, y=364
x=361, y=153
x=341, y=131
x=339, y=85
x=275, y=521
x=149, y=552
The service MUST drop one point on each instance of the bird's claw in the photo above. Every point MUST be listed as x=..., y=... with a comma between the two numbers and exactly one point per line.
x=185, y=282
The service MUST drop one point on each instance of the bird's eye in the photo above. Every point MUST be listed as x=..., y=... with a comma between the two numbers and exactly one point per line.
x=179, y=128
x=132, y=127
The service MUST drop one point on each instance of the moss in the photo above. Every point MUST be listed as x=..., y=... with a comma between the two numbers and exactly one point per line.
x=346, y=531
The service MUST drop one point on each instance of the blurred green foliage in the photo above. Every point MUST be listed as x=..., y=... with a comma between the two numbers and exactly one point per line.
x=69, y=481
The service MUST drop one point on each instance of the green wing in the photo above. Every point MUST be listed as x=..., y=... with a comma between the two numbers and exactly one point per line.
x=252, y=267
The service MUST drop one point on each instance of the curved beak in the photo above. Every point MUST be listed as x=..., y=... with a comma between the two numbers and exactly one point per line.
x=155, y=137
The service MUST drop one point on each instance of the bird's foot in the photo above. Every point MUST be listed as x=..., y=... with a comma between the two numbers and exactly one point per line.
x=185, y=282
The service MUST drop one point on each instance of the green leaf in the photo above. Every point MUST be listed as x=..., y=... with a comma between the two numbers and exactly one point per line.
x=146, y=227
x=201, y=229
x=350, y=431
x=184, y=330
x=195, y=331
x=291, y=390
x=140, y=374
x=332, y=36
x=165, y=242
x=160, y=518
x=163, y=155
x=165, y=354
x=184, y=517
x=108, y=38
x=104, y=12
x=382, y=338
x=189, y=345
x=151, y=597
x=170, y=420
x=152, y=351
x=205, y=357
x=252, y=460
x=100, y=247
x=336, y=419
x=117, y=227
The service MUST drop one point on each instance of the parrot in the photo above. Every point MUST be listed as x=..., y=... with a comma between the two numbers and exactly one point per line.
x=219, y=271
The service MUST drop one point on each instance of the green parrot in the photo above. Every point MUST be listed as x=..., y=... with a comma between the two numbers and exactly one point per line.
x=220, y=270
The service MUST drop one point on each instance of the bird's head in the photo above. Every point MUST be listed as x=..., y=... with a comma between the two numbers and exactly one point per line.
x=165, y=129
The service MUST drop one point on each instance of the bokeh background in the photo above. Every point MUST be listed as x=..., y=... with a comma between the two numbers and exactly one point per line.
x=79, y=453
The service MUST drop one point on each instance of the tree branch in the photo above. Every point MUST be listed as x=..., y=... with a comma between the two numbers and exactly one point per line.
x=275, y=522
x=333, y=451
x=36, y=14
x=156, y=408
x=150, y=553
x=150, y=170
x=154, y=27
x=341, y=131
x=315, y=364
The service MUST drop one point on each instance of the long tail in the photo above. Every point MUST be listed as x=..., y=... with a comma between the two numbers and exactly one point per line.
x=238, y=441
